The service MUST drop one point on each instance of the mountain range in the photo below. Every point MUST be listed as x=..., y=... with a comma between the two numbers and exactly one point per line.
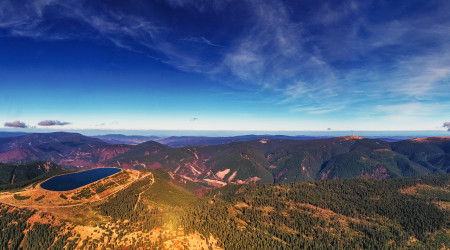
x=263, y=160
x=183, y=141
x=68, y=149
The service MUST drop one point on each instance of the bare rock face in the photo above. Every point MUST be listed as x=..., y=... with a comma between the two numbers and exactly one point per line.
x=379, y=173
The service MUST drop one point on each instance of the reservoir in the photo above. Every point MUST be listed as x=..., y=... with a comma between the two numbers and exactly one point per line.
x=76, y=180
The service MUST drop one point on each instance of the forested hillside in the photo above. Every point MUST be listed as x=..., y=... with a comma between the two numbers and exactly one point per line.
x=356, y=213
x=155, y=213
x=19, y=175
x=280, y=161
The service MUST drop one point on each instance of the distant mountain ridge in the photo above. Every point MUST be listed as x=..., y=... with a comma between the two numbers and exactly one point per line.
x=125, y=139
x=184, y=141
x=11, y=134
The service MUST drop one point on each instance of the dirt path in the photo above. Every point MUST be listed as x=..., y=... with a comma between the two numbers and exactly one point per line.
x=74, y=205
x=13, y=175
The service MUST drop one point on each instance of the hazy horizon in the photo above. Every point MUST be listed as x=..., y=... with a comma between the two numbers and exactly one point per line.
x=225, y=133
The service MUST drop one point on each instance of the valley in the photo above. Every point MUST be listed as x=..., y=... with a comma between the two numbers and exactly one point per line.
x=349, y=192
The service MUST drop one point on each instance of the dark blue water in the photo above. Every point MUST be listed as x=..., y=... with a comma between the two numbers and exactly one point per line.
x=76, y=180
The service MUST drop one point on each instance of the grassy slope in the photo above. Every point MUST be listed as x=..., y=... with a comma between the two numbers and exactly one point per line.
x=165, y=193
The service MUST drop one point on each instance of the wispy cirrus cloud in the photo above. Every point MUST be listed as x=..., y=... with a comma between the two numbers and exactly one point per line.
x=316, y=110
x=316, y=58
x=52, y=123
x=15, y=124
x=200, y=40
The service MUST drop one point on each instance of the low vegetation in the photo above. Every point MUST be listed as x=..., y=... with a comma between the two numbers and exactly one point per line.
x=20, y=197
x=39, y=198
x=85, y=193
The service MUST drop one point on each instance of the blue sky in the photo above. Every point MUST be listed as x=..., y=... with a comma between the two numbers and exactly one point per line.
x=225, y=65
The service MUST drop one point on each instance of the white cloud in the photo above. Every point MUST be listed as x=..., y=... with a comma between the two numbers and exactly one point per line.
x=15, y=124
x=52, y=123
